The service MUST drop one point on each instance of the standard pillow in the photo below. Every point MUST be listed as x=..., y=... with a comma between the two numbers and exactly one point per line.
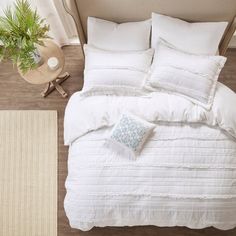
x=129, y=135
x=122, y=69
x=130, y=36
x=190, y=75
x=198, y=38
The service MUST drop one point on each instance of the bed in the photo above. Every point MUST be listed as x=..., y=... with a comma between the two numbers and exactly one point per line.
x=185, y=174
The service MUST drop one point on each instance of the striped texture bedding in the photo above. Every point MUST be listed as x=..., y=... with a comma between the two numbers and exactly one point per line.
x=185, y=176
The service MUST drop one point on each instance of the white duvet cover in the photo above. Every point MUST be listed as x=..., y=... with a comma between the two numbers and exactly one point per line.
x=184, y=176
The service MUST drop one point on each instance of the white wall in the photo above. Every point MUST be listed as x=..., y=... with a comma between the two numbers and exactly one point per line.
x=4, y=4
x=61, y=23
x=47, y=10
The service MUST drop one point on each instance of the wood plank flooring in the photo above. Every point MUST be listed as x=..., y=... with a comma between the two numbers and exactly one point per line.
x=16, y=94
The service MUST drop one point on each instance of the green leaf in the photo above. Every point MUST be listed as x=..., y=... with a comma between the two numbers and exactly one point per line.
x=21, y=28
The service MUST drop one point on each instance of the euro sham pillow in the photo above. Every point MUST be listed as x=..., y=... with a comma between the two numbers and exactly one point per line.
x=189, y=75
x=109, y=69
x=129, y=135
x=130, y=36
x=198, y=38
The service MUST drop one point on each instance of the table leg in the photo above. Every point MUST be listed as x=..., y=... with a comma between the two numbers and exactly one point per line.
x=56, y=85
x=46, y=90
x=63, y=77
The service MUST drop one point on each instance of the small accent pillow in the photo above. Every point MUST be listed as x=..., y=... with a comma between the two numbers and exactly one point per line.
x=199, y=38
x=129, y=134
x=189, y=75
x=130, y=36
x=116, y=69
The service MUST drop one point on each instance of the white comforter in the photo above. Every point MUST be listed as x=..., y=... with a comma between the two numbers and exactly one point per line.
x=185, y=175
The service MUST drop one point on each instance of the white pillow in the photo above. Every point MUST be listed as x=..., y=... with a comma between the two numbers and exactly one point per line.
x=129, y=135
x=130, y=36
x=108, y=68
x=199, y=38
x=190, y=75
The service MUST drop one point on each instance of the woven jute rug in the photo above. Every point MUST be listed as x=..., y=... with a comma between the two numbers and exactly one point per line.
x=28, y=173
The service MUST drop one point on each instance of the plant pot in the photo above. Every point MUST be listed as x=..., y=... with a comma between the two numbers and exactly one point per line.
x=37, y=58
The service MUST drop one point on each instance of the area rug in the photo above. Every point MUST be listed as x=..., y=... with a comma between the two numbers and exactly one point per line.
x=28, y=173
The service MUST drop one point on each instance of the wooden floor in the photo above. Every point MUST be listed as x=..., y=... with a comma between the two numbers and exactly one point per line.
x=16, y=94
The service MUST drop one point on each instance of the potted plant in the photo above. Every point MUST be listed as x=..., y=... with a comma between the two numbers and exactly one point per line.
x=21, y=30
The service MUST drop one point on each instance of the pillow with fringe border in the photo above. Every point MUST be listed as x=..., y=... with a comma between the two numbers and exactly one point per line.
x=129, y=134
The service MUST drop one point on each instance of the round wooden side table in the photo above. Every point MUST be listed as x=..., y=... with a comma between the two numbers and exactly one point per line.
x=43, y=74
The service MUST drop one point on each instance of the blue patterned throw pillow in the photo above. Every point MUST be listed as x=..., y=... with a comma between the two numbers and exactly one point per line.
x=129, y=134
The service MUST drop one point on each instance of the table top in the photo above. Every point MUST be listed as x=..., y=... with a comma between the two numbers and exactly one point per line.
x=43, y=74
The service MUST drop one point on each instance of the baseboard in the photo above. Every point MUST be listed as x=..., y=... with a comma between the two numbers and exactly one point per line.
x=74, y=41
x=232, y=43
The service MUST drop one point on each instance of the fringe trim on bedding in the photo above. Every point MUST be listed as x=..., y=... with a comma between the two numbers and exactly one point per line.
x=164, y=165
x=120, y=149
x=160, y=195
x=115, y=91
